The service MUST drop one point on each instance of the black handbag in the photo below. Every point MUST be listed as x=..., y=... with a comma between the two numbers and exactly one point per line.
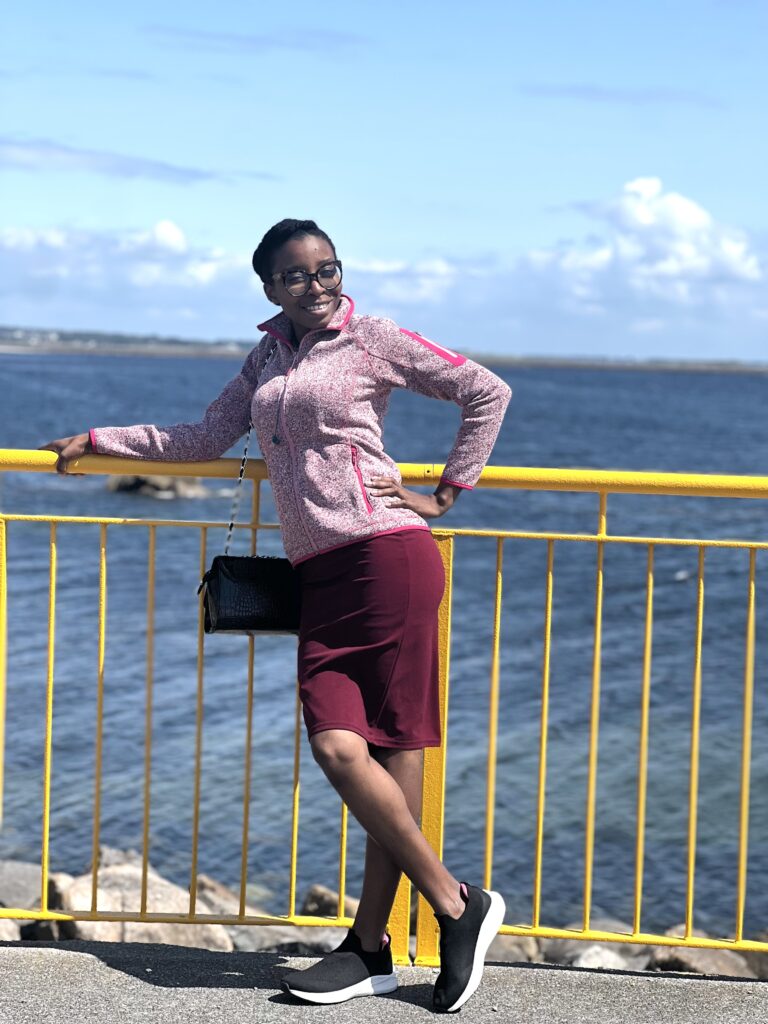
x=249, y=593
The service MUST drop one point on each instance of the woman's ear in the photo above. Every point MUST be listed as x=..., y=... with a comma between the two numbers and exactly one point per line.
x=269, y=291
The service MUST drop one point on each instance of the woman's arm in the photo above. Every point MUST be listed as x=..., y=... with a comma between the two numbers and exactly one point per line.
x=404, y=359
x=225, y=420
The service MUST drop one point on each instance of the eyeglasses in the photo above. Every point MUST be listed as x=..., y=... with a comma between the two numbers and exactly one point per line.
x=298, y=282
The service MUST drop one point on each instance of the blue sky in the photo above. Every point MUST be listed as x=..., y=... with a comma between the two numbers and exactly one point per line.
x=556, y=178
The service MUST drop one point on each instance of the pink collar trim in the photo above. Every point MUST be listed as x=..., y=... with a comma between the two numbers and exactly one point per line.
x=280, y=327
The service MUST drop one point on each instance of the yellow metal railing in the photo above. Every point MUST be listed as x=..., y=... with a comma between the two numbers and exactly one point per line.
x=601, y=484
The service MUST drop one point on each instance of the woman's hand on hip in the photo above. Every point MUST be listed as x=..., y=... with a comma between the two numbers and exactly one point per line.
x=68, y=450
x=428, y=506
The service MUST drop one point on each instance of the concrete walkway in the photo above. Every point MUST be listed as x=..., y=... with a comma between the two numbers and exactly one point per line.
x=83, y=982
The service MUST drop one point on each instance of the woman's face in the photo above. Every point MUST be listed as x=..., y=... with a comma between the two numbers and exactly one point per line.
x=314, y=310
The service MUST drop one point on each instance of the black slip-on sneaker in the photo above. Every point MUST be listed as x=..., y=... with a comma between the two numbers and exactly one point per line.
x=347, y=972
x=463, y=944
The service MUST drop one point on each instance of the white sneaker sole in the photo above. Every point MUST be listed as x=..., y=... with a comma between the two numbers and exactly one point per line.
x=376, y=985
x=486, y=935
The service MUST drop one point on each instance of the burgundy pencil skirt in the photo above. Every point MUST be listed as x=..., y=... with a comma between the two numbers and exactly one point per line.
x=368, y=658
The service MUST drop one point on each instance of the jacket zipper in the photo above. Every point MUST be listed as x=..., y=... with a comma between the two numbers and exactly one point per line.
x=356, y=465
x=292, y=450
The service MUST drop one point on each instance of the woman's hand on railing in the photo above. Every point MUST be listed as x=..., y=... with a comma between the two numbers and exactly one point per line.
x=68, y=449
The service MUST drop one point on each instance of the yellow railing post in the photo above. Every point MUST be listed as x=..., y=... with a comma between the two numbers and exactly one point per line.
x=149, y=690
x=433, y=811
x=248, y=758
x=642, y=757
x=493, y=720
x=99, y=745
x=541, y=796
x=746, y=750
x=295, y=805
x=48, y=749
x=198, y=730
x=693, y=785
x=594, y=715
x=3, y=656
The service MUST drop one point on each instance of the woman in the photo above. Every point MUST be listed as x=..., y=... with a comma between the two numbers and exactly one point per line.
x=317, y=387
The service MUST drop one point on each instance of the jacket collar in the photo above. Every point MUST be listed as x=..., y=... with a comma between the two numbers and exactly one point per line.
x=280, y=326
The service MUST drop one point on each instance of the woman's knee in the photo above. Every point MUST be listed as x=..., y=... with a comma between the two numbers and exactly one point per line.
x=338, y=751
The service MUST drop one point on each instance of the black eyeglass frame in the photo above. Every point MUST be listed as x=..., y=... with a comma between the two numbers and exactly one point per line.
x=310, y=278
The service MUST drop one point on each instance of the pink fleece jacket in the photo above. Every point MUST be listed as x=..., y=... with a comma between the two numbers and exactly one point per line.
x=318, y=411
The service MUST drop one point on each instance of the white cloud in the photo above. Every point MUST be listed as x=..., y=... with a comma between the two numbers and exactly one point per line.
x=169, y=236
x=28, y=238
x=654, y=245
x=397, y=282
x=657, y=274
x=129, y=281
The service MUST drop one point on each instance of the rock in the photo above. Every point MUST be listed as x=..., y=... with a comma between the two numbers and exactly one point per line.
x=724, y=962
x=19, y=884
x=634, y=957
x=220, y=899
x=40, y=931
x=119, y=890
x=755, y=960
x=9, y=930
x=323, y=902
x=288, y=939
x=598, y=957
x=512, y=949
x=111, y=855
x=162, y=487
x=253, y=938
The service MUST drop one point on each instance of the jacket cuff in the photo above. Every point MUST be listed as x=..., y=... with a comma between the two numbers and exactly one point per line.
x=455, y=483
x=92, y=436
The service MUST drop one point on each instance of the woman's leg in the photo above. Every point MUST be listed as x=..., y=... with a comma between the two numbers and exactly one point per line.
x=382, y=873
x=468, y=917
x=379, y=804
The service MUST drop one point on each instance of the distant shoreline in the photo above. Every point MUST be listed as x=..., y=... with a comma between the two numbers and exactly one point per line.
x=235, y=350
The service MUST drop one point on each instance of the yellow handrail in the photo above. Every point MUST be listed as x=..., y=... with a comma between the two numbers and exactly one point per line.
x=602, y=483
x=704, y=485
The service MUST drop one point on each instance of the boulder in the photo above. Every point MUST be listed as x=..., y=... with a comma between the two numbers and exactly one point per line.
x=163, y=487
x=513, y=949
x=9, y=930
x=47, y=931
x=321, y=901
x=119, y=890
x=634, y=957
x=111, y=855
x=755, y=960
x=252, y=938
x=19, y=884
x=723, y=962
x=597, y=957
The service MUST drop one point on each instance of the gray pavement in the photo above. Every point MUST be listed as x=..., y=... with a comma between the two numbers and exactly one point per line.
x=89, y=982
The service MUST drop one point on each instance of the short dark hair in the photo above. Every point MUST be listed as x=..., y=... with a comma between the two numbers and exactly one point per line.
x=278, y=235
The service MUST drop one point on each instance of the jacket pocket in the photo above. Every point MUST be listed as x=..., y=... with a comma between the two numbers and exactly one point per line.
x=356, y=466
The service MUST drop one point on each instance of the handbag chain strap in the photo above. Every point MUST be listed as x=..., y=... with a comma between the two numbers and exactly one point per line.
x=239, y=484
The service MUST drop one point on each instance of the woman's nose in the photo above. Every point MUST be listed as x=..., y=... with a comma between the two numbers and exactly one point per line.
x=315, y=287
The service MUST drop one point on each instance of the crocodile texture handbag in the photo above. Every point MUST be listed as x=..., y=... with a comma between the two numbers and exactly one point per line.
x=250, y=594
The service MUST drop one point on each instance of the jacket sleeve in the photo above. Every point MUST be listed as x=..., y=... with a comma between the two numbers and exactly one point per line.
x=225, y=420
x=404, y=359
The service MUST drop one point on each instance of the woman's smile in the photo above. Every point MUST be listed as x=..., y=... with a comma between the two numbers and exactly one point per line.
x=318, y=307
